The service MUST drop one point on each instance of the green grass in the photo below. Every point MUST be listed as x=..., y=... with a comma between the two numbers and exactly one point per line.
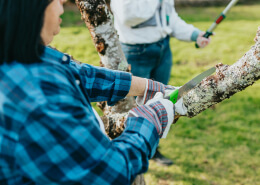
x=221, y=146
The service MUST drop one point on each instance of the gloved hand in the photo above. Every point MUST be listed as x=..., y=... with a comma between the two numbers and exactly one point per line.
x=202, y=41
x=152, y=87
x=158, y=111
x=179, y=106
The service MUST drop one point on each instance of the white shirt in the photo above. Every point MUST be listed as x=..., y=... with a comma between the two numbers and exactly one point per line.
x=145, y=21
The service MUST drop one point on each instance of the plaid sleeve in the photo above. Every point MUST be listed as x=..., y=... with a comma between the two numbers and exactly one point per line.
x=104, y=84
x=61, y=143
x=146, y=130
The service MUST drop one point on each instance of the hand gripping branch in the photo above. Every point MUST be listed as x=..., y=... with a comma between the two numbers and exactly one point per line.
x=220, y=18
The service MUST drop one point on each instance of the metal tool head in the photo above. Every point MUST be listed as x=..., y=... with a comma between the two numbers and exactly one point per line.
x=195, y=81
x=177, y=94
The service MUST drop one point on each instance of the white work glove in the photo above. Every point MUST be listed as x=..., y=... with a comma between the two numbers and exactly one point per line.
x=158, y=111
x=152, y=87
x=202, y=41
x=179, y=106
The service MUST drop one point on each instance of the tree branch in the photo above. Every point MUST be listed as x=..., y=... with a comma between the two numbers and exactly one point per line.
x=227, y=81
x=97, y=17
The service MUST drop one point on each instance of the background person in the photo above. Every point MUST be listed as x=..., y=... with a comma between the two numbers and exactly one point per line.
x=145, y=28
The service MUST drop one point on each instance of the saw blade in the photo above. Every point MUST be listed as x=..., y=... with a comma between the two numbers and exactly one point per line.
x=195, y=81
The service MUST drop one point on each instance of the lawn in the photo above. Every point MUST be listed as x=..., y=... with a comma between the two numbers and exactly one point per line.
x=221, y=146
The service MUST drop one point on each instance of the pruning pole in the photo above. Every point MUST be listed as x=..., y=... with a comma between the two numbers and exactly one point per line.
x=220, y=18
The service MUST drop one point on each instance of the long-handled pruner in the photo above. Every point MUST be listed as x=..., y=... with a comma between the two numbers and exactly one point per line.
x=220, y=18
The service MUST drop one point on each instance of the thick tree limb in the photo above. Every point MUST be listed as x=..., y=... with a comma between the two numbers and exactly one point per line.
x=98, y=20
x=227, y=81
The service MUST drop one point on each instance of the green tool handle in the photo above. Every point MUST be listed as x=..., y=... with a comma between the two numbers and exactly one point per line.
x=173, y=96
x=206, y=35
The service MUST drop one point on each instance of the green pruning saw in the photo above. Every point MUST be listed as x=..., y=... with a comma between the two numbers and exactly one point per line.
x=177, y=94
x=220, y=18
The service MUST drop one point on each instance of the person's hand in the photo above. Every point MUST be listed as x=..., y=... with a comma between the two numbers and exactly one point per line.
x=158, y=111
x=202, y=41
x=180, y=108
x=152, y=87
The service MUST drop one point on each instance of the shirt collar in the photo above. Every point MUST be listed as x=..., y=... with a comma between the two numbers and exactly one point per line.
x=53, y=54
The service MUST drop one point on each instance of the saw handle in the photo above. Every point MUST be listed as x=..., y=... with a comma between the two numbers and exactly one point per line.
x=173, y=96
x=206, y=35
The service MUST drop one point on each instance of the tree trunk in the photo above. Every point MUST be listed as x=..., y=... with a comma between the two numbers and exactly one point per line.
x=96, y=14
x=227, y=81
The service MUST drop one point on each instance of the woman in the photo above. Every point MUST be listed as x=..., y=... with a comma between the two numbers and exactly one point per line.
x=49, y=133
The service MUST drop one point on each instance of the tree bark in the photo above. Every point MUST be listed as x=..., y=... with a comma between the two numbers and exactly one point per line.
x=227, y=81
x=97, y=16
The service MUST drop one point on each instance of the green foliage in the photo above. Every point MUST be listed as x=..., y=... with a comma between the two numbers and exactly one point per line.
x=221, y=145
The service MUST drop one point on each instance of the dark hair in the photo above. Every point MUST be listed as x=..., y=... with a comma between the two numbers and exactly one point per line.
x=21, y=22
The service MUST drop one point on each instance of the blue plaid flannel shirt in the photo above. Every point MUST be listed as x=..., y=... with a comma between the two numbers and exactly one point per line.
x=48, y=131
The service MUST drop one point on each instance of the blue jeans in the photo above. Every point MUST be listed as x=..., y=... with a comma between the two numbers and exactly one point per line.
x=151, y=61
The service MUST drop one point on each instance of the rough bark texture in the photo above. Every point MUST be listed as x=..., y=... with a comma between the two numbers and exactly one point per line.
x=96, y=14
x=98, y=20
x=227, y=81
x=139, y=180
